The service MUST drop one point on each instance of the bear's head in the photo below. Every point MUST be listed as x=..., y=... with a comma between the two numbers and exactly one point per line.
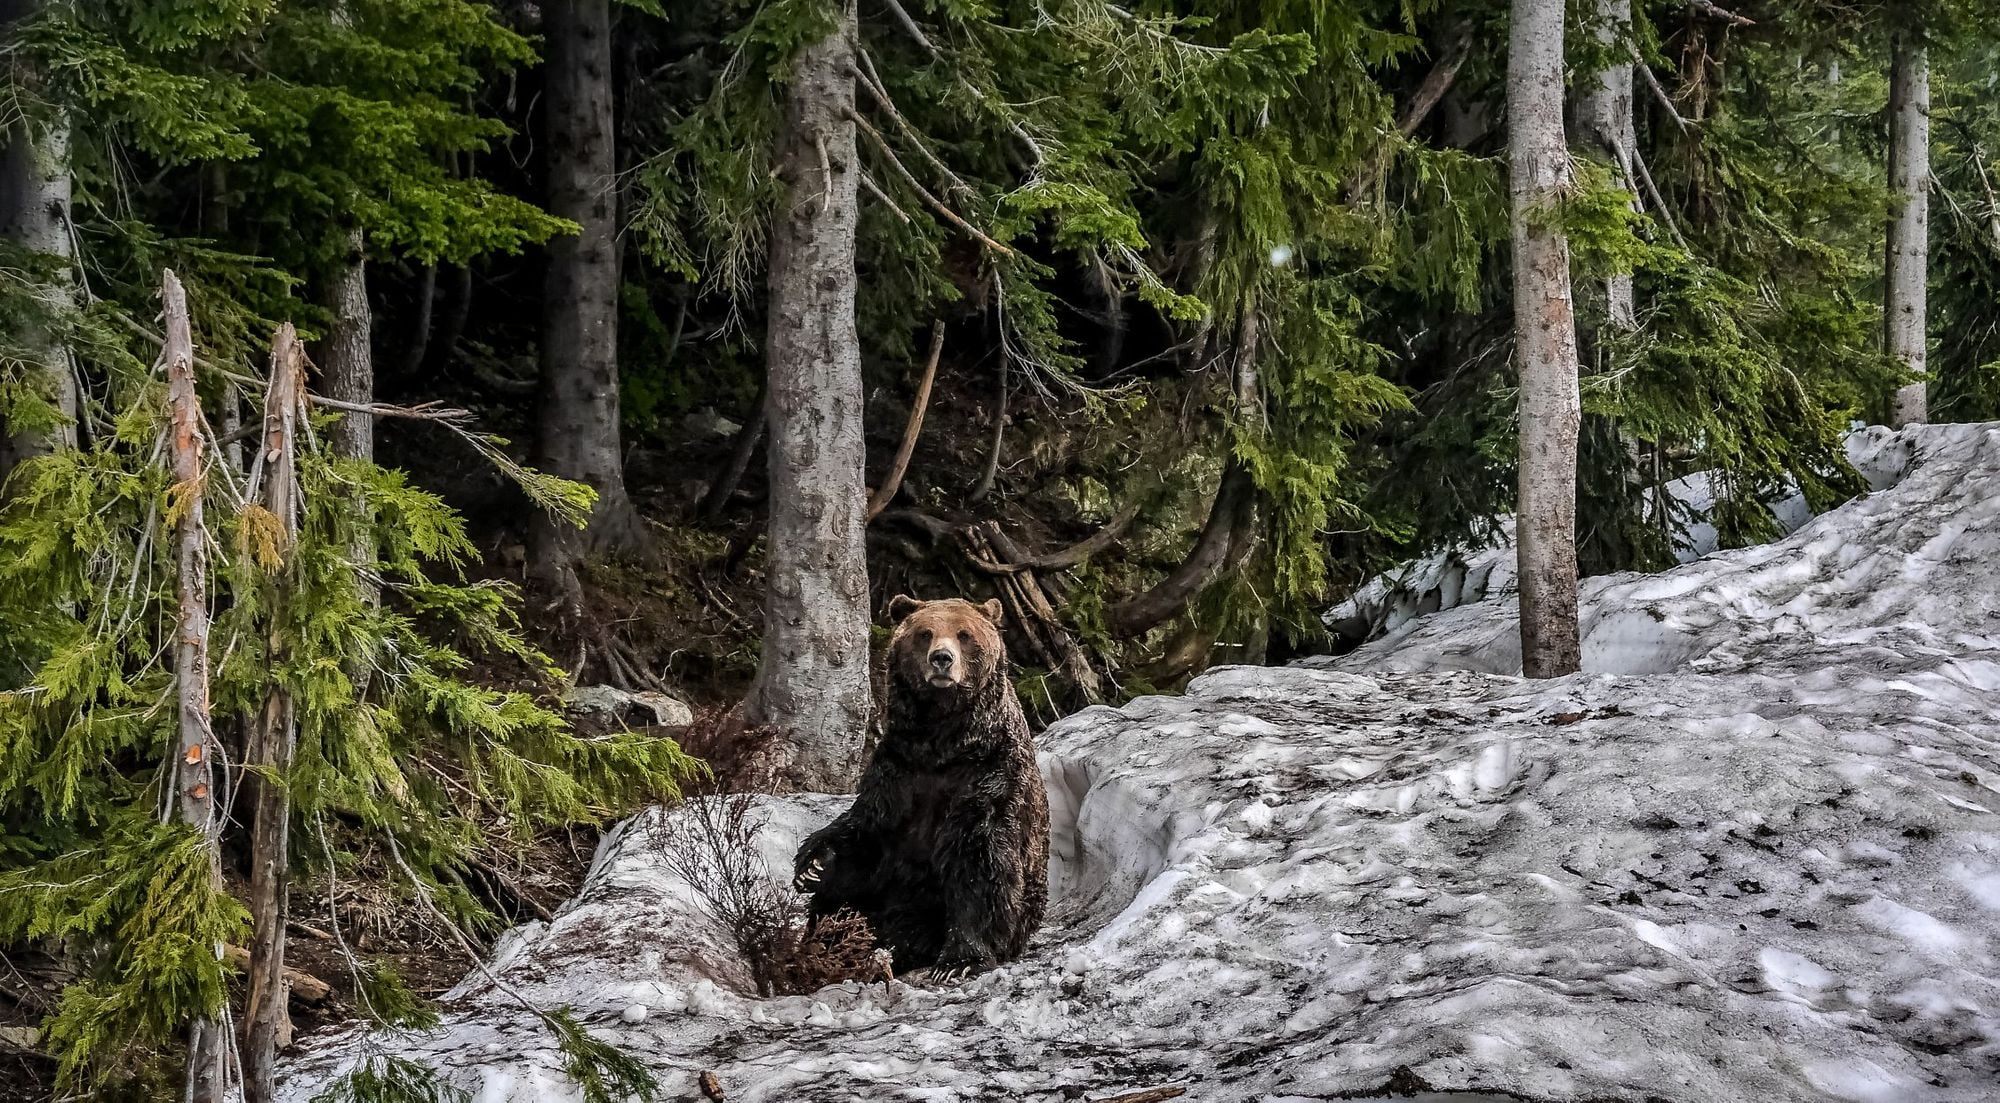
x=949, y=645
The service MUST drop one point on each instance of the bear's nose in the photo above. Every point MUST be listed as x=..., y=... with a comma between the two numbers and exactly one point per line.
x=941, y=659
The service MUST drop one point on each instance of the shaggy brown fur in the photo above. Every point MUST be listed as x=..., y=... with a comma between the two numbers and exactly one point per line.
x=945, y=849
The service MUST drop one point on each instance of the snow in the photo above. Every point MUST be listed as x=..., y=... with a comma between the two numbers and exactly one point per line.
x=1750, y=854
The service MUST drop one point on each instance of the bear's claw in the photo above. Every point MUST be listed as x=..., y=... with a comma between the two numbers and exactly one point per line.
x=808, y=878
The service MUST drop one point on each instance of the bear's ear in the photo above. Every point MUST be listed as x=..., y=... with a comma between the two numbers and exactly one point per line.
x=992, y=610
x=902, y=605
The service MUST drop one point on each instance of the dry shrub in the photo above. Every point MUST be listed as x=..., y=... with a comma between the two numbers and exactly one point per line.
x=712, y=845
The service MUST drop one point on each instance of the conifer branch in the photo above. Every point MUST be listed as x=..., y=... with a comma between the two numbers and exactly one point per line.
x=956, y=183
x=1013, y=125
x=909, y=178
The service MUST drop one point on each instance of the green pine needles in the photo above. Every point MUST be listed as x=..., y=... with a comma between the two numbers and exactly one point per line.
x=423, y=756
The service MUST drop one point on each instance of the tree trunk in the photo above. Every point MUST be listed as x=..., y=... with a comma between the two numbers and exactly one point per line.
x=34, y=213
x=578, y=428
x=1907, y=266
x=347, y=360
x=1604, y=114
x=813, y=681
x=716, y=501
x=267, y=1020
x=1544, y=342
x=194, y=792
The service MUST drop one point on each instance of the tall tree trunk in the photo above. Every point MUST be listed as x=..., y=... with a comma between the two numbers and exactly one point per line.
x=1544, y=342
x=34, y=213
x=273, y=737
x=1907, y=266
x=578, y=429
x=813, y=682
x=1604, y=114
x=194, y=776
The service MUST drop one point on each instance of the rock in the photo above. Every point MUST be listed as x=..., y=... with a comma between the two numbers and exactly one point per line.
x=20, y=1037
x=707, y=424
x=647, y=708
x=634, y=1014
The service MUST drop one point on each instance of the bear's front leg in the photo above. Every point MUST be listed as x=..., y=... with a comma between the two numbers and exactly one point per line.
x=809, y=864
x=983, y=896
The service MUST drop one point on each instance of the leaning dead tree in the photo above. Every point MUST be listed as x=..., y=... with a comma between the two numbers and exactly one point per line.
x=273, y=732
x=194, y=799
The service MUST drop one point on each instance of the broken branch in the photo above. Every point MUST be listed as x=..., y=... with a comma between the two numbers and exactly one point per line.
x=879, y=501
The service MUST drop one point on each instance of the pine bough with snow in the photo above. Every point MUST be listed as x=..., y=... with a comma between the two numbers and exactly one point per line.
x=1750, y=854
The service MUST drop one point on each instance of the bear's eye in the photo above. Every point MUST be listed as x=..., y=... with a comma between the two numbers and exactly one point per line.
x=964, y=637
x=924, y=636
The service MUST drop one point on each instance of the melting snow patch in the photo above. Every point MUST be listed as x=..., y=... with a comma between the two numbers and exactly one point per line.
x=1761, y=865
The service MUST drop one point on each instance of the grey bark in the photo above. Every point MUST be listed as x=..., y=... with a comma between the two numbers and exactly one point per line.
x=346, y=359
x=1604, y=115
x=194, y=798
x=1544, y=342
x=1907, y=266
x=578, y=431
x=34, y=213
x=813, y=683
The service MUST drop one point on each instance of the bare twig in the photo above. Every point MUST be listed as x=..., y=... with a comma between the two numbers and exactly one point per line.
x=893, y=482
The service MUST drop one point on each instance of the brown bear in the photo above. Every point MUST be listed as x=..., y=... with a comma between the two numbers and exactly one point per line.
x=945, y=850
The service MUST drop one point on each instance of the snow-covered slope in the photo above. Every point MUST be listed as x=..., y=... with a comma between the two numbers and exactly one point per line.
x=1763, y=864
x=1385, y=606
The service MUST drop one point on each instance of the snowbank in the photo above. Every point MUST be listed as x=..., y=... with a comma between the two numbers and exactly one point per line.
x=1762, y=864
x=1386, y=604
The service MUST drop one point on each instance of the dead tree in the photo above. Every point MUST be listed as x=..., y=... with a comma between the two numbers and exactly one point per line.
x=273, y=731
x=194, y=775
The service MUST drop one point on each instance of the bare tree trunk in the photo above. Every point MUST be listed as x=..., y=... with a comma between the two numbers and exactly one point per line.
x=1907, y=266
x=813, y=681
x=34, y=213
x=578, y=433
x=1604, y=114
x=1544, y=342
x=266, y=1016
x=194, y=794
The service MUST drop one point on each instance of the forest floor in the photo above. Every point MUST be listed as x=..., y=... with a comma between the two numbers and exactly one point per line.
x=1750, y=852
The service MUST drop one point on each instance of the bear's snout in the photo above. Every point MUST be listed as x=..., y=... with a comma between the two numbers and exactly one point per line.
x=944, y=662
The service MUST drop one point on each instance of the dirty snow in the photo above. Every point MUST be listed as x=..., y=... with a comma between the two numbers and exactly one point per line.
x=1751, y=854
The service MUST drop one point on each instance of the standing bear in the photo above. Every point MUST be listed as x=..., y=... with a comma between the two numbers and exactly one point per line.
x=945, y=850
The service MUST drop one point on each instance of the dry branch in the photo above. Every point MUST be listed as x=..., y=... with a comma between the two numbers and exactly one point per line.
x=1065, y=558
x=889, y=154
x=893, y=482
